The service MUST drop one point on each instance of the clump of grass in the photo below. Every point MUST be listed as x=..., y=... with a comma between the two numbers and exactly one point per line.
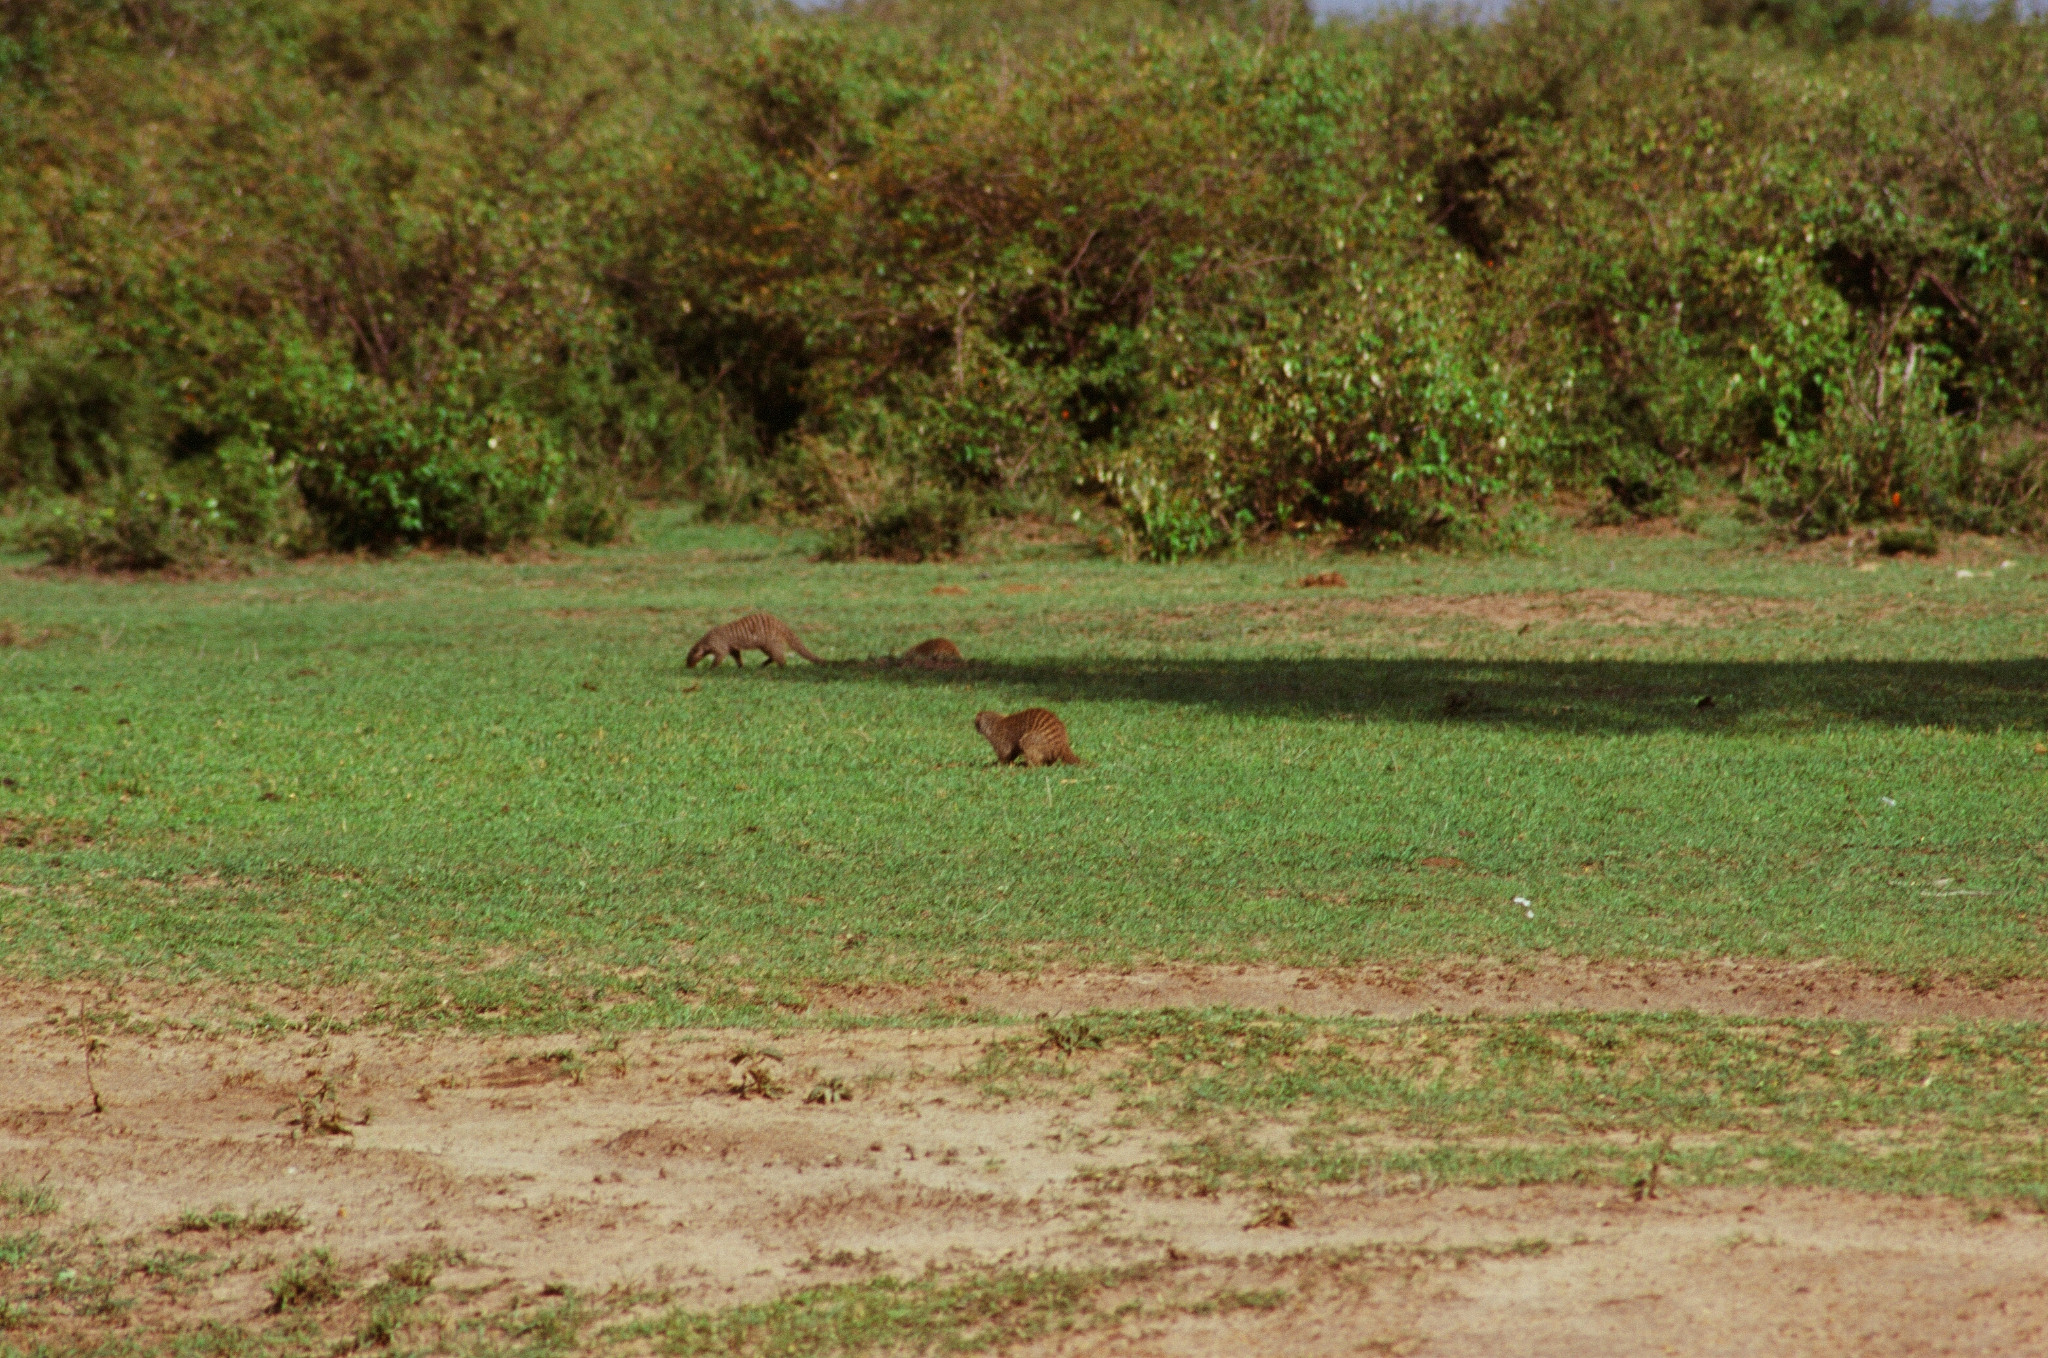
x=548, y=1328
x=1231, y=1299
x=991, y=1312
x=1068, y=1036
x=16, y=1250
x=18, y=1199
x=1539, y=1098
x=309, y=1280
x=421, y=1267
x=832, y=1089
x=754, y=1077
x=572, y=1063
x=317, y=1114
x=227, y=1221
x=394, y=1302
x=171, y=1264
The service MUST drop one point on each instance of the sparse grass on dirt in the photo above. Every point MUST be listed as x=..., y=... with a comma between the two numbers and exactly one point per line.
x=72, y=1289
x=77, y=1293
x=995, y=1312
x=228, y=1222
x=489, y=792
x=1279, y=1103
x=1069, y=1187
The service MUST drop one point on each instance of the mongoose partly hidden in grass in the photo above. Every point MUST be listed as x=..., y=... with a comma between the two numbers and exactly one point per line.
x=1034, y=735
x=937, y=651
x=755, y=632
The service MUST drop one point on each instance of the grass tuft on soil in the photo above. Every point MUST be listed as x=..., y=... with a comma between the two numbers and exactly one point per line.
x=1953, y=1109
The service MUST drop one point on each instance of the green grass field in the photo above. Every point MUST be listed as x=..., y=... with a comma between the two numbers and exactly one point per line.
x=491, y=792
x=488, y=794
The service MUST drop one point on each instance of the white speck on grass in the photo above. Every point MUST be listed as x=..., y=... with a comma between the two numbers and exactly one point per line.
x=1887, y=801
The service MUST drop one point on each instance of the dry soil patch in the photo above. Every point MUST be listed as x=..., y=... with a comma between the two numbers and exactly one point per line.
x=641, y=1165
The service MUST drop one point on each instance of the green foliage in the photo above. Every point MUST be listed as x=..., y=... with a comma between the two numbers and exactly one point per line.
x=1918, y=541
x=593, y=509
x=1233, y=272
x=65, y=427
x=1166, y=521
x=130, y=525
x=919, y=525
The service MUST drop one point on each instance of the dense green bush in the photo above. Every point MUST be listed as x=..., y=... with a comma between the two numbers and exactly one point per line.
x=919, y=525
x=129, y=525
x=363, y=272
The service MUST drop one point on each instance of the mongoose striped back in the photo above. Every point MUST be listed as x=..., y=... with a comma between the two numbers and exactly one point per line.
x=755, y=632
x=936, y=652
x=1034, y=735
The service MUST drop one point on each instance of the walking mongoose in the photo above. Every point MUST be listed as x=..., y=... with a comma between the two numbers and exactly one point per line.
x=936, y=652
x=1034, y=735
x=755, y=632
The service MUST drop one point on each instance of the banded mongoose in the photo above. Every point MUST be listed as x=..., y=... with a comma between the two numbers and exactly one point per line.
x=938, y=651
x=755, y=632
x=1034, y=735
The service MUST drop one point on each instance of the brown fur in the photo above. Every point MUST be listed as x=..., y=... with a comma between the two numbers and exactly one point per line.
x=756, y=632
x=934, y=653
x=1034, y=735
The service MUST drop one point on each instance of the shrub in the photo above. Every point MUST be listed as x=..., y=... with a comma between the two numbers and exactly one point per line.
x=68, y=426
x=919, y=525
x=1370, y=408
x=1166, y=521
x=2011, y=480
x=1233, y=272
x=130, y=525
x=378, y=464
x=593, y=508
x=1899, y=541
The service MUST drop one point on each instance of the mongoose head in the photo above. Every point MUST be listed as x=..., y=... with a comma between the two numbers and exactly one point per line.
x=985, y=722
x=697, y=652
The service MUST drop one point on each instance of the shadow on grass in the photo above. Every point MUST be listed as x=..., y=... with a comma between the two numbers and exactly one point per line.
x=1599, y=695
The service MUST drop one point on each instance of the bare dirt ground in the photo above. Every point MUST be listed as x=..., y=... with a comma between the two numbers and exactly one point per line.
x=641, y=1166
